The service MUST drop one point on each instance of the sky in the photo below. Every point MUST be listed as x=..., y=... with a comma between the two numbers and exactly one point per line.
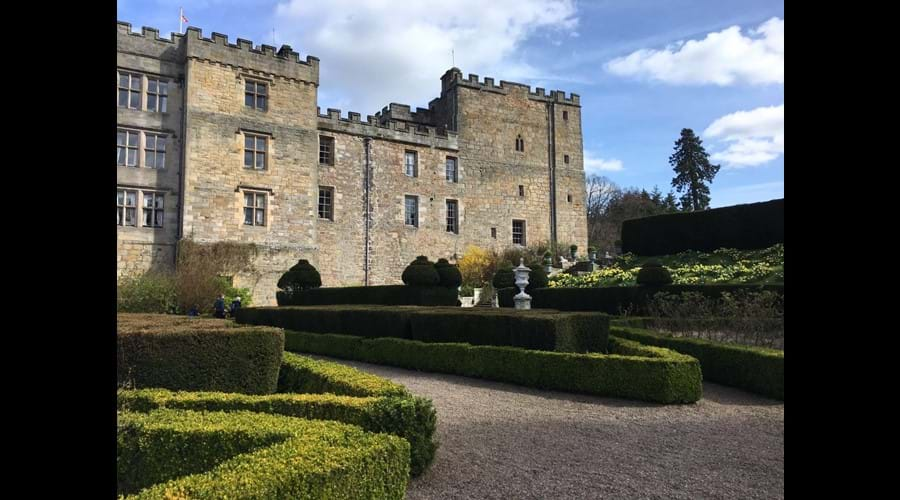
x=645, y=69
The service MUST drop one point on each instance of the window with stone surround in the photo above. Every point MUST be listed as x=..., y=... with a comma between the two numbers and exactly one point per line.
x=451, y=169
x=126, y=204
x=453, y=216
x=569, y=197
x=254, y=208
x=130, y=87
x=520, y=143
x=154, y=151
x=153, y=209
x=494, y=233
x=127, y=145
x=521, y=190
x=412, y=164
x=566, y=115
x=566, y=159
x=256, y=95
x=157, y=95
x=255, y=148
x=326, y=150
x=411, y=203
x=518, y=232
x=326, y=202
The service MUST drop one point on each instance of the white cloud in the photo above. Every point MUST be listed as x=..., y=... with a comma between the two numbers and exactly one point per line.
x=749, y=137
x=723, y=58
x=594, y=164
x=378, y=51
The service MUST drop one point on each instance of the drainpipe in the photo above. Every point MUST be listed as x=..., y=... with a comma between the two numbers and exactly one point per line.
x=367, y=141
x=551, y=152
x=182, y=174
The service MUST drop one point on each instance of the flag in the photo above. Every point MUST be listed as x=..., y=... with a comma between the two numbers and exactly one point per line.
x=184, y=18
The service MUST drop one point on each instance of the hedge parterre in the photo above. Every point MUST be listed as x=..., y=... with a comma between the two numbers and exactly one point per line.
x=631, y=370
x=187, y=454
x=546, y=330
x=412, y=418
x=755, y=369
x=181, y=353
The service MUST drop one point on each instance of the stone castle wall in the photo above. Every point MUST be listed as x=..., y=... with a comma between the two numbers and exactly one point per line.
x=475, y=122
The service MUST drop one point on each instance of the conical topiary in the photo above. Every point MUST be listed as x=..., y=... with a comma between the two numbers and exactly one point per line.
x=421, y=272
x=301, y=276
x=505, y=277
x=653, y=273
x=537, y=278
x=449, y=274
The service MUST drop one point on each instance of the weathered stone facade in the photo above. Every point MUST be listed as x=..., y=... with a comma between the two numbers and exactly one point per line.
x=366, y=239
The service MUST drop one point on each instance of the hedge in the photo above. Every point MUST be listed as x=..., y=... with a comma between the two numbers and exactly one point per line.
x=749, y=226
x=388, y=295
x=254, y=455
x=301, y=374
x=412, y=418
x=541, y=330
x=631, y=370
x=192, y=354
x=615, y=299
x=755, y=369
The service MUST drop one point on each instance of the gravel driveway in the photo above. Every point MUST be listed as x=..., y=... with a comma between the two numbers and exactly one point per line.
x=503, y=441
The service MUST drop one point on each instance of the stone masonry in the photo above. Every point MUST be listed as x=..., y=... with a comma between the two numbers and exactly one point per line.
x=365, y=241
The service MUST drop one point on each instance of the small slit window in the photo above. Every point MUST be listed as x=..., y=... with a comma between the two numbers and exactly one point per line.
x=520, y=143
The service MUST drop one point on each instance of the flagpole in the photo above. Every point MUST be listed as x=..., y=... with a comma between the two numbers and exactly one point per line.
x=180, y=18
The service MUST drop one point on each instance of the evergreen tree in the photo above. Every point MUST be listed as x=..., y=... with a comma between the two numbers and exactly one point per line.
x=692, y=171
x=670, y=203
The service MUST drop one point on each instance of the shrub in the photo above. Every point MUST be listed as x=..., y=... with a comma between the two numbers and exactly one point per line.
x=505, y=277
x=537, y=278
x=754, y=369
x=653, y=273
x=302, y=276
x=412, y=418
x=201, y=267
x=147, y=293
x=753, y=225
x=546, y=330
x=631, y=299
x=421, y=272
x=631, y=370
x=386, y=295
x=450, y=277
x=476, y=267
x=181, y=353
x=187, y=454
x=306, y=375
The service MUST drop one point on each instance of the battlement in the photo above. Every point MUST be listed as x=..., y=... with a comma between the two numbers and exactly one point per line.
x=243, y=54
x=401, y=112
x=454, y=77
x=391, y=129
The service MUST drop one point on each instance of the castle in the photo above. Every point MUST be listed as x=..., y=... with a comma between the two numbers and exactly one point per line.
x=225, y=142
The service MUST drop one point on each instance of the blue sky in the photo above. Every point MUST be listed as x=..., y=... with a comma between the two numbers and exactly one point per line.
x=644, y=69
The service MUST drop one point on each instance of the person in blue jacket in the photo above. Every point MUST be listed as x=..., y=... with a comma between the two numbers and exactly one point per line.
x=235, y=305
x=219, y=307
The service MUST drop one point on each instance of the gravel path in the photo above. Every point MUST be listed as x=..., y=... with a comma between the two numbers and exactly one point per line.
x=503, y=441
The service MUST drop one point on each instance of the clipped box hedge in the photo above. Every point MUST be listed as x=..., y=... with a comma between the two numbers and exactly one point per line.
x=747, y=226
x=301, y=374
x=541, y=330
x=193, y=354
x=388, y=295
x=186, y=454
x=412, y=418
x=630, y=370
x=755, y=369
x=616, y=299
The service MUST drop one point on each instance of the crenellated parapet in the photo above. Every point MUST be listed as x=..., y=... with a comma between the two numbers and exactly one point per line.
x=402, y=112
x=454, y=77
x=192, y=44
x=390, y=130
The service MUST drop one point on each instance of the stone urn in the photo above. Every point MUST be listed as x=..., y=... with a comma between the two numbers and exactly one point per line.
x=476, y=295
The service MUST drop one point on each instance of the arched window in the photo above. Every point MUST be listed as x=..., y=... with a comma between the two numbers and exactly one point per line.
x=520, y=143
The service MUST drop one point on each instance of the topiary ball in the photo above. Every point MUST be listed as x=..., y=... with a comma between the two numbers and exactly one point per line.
x=537, y=278
x=653, y=273
x=421, y=272
x=302, y=276
x=449, y=274
x=505, y=277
